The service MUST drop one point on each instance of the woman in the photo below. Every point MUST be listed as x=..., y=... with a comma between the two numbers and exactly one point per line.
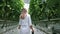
x=25, y=22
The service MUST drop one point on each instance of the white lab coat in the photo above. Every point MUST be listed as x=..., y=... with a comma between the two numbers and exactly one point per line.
x=25, y=23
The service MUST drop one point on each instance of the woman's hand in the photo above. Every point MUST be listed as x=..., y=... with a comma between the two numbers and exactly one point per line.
x=32, y=30
x=19, y=27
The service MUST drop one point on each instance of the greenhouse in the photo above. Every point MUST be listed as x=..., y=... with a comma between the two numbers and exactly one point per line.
x=44, y=16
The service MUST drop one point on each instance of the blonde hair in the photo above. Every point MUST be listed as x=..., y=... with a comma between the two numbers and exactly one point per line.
x=22, y=16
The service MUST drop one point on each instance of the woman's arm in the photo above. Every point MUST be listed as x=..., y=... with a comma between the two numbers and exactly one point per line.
x=30, y=23
x=31, y=28
x=19, y=26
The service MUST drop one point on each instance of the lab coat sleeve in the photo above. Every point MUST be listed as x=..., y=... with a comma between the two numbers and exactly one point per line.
x=19, y=21
x=30, y=21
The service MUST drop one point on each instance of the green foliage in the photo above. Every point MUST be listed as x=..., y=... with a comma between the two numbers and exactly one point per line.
x=48, y=9
x=10, y=9
x=54, y=6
